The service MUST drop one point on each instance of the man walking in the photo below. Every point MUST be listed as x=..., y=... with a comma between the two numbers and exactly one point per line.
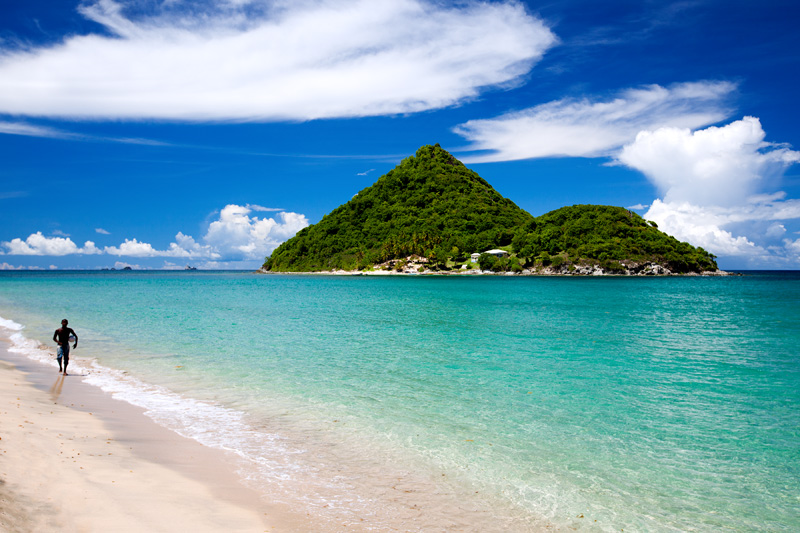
x=62, y=337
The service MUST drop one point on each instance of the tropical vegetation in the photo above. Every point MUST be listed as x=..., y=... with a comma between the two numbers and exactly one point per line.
x=433, y=206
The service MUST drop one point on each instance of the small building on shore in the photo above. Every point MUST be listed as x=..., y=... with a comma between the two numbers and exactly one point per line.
x=495, y=252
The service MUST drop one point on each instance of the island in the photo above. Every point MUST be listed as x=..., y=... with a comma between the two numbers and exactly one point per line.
x=433, y=215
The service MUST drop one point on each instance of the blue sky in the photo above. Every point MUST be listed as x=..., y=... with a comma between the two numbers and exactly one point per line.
x=161, y=133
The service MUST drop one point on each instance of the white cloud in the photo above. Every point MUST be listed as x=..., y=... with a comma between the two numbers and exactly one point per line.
x=255, y=207
x=31, y=130
x=133, y=248
x=101, y=231
x=236, y=234
x=712, y=182
x=184, y=246
x=702, y=226
x=793, y=246
x=259, y=61
x=38, y=244
x=776, y=230
x=590, y=128
x=6, y=266
x=715, y=166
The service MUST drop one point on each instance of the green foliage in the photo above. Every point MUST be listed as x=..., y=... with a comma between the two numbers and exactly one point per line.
x=429, y=205
x=488, y=262
x=433, y=206
x=605, y=235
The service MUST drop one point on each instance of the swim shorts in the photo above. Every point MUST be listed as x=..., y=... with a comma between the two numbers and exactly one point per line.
x=63, y=351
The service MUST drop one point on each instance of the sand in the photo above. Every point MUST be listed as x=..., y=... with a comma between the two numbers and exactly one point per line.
x=74, y=459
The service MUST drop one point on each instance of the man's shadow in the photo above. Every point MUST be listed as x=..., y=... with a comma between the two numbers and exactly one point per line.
x=55, y=390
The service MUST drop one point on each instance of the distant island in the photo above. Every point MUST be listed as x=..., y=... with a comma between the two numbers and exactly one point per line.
x=431, y=214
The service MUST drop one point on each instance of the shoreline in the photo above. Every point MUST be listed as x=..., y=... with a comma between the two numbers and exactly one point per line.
x=546, y=273
x=166, y=470
x=73, y=458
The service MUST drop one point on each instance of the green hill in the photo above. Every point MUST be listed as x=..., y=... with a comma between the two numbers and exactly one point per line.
x=607, y=236
x=431, y=205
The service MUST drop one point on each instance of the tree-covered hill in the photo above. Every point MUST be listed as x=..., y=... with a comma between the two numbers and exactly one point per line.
x=607, y=236
x=429, y=205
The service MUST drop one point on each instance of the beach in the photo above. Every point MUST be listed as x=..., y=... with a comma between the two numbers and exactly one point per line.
x=74, y=459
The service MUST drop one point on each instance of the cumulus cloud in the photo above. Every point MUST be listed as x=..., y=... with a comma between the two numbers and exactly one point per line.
x=184, y=246
x=702, y=226
x=712, y=182
x=592, y=128
x=6, y=266
x=715, y=166
x=265, y=61
x=38, y=244
x=237, y=234
x=134, y=248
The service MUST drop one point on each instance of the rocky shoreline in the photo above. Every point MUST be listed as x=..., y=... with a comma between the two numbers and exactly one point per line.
x=417, y=269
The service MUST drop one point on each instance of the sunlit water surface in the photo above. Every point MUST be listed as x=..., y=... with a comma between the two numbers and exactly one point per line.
x=436, y=403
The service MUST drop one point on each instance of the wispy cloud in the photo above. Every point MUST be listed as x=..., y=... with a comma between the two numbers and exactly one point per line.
x=365, y=172
x=32, y=130
x=593, y=127
x=101, y=231
x=259, y=61
x=254, y=207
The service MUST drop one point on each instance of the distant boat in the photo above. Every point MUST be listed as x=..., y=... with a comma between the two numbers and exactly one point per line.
x=188, y=267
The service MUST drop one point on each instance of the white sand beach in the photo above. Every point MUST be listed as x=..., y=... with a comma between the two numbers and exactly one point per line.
x=74, y=459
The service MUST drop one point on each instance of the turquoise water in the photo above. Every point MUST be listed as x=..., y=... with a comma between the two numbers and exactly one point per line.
x=655, y=404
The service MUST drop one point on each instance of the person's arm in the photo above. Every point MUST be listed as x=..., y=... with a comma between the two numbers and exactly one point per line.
x=76, y=339
x=55, y=337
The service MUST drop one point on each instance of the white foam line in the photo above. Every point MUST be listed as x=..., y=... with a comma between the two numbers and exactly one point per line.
x=211, y=425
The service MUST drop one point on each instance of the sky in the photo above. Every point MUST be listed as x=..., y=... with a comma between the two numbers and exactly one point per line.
x=166, y=133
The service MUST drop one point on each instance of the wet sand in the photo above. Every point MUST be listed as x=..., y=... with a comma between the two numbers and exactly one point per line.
x=74, y=459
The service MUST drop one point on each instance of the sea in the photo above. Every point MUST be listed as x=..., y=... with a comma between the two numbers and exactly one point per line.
x=457, y=403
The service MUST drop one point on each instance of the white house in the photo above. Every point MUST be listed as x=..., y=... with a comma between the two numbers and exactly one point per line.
x=496, y=253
